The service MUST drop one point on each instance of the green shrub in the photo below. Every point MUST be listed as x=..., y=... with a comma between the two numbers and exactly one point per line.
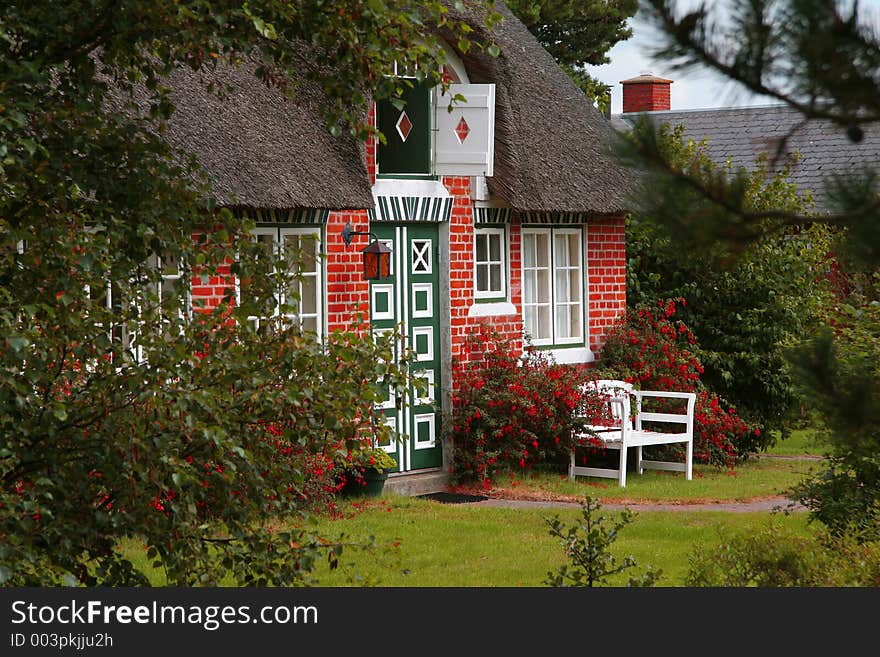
x=587, y=545
x=774, y=557
x=766, y=295
x=841, y=374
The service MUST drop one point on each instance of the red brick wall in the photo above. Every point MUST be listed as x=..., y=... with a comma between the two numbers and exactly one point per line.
x=461, y=271
x=347, y=290
x=208, y=291
x=646, y=97
x=606, y=276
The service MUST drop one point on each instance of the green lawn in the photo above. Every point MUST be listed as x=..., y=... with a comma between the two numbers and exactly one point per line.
x=800, y=442
x=460, y=545
x=429, y=544
x=758, y=477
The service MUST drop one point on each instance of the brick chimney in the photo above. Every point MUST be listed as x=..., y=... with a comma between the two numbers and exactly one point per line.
x=646, y=93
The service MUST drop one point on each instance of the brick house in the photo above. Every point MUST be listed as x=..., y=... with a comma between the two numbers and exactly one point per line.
x=507, y=211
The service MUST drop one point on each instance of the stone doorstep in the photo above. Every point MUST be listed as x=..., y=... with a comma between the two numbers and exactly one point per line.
x=417, y=483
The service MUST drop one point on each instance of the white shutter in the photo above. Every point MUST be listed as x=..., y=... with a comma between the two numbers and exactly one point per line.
x=464, y=139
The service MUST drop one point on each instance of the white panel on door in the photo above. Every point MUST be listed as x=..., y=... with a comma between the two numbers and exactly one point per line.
x=382, y=302
x=423, y=343
x=421, y=256
x=422, y=300
x=428, y=397
x=424, y=430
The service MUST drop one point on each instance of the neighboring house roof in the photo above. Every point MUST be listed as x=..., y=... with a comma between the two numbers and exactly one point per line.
x=550, y=141
x=743, y=133
x=262, y=150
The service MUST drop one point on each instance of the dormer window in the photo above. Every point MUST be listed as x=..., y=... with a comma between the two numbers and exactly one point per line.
x=423, y=138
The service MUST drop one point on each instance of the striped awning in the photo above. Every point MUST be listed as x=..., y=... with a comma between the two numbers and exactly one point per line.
x=555, y=218
x=295, y=216
x=429, y=209
x=485, y=215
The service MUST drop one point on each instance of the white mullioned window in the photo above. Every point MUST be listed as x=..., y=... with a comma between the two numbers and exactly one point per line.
x=170, y=286
x=299, y=300
x=109, y=296
x=490, y=263
x=553, y=285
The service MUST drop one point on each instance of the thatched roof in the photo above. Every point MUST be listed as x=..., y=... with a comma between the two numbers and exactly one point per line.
x=262, y=150
x=550, y=142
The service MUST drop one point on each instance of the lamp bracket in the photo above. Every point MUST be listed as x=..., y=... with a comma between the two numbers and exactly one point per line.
x=348, y=232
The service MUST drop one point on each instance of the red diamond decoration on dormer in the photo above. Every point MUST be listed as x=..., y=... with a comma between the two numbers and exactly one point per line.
x=404, y=126
x=462, y=130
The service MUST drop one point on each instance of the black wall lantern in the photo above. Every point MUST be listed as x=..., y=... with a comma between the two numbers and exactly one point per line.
x=377, y=256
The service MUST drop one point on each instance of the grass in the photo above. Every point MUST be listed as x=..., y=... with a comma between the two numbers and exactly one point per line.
x=429, y=544
x=441, y=545
x=757, y=478
x=800, y=442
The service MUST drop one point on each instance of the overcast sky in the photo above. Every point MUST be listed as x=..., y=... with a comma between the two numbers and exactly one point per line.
x=692, y=91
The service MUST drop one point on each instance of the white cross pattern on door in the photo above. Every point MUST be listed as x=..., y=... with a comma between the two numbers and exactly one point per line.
x=421, y=256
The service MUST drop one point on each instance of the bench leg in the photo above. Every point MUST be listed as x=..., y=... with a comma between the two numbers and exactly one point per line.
x=621, y=474
x=639, y=467
x=689, y=460
x=571, y=464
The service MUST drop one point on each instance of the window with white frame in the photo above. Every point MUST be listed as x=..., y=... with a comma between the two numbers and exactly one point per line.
x=553, y=285
x=126, y=309
x=490, y=264
x=108, y=296
x=299, y=298
x=170, y=287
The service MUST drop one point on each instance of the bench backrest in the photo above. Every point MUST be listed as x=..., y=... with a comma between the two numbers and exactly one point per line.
x=612, y=388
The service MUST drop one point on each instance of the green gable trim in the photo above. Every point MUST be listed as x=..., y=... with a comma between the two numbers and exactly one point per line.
x=297, y=216
x=492, y=215
x=555, y=218
x=428, y=209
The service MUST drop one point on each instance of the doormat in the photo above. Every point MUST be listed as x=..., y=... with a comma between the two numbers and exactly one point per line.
x=453, y=498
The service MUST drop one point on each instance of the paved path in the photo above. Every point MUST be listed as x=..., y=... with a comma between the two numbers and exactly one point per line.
x=763, y=504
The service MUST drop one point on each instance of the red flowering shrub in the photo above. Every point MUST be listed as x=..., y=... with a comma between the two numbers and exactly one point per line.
x=655, y=352
x=652, y=351
x=509, y=410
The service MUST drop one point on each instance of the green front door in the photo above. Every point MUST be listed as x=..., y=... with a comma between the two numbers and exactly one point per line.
x=410, y=300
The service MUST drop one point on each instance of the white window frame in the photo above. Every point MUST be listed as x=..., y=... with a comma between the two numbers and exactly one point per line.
x=552, y=268
x=184, y=313
x=117, y=332
x=490, y=294
x=278, y=233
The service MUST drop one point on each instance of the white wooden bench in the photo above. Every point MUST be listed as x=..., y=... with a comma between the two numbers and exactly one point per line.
x=631, y=429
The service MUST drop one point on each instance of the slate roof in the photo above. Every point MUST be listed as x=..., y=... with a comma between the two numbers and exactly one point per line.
x=743, y=133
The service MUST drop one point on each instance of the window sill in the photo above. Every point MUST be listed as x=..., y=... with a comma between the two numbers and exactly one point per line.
x=492, y=309
x=569, y=356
